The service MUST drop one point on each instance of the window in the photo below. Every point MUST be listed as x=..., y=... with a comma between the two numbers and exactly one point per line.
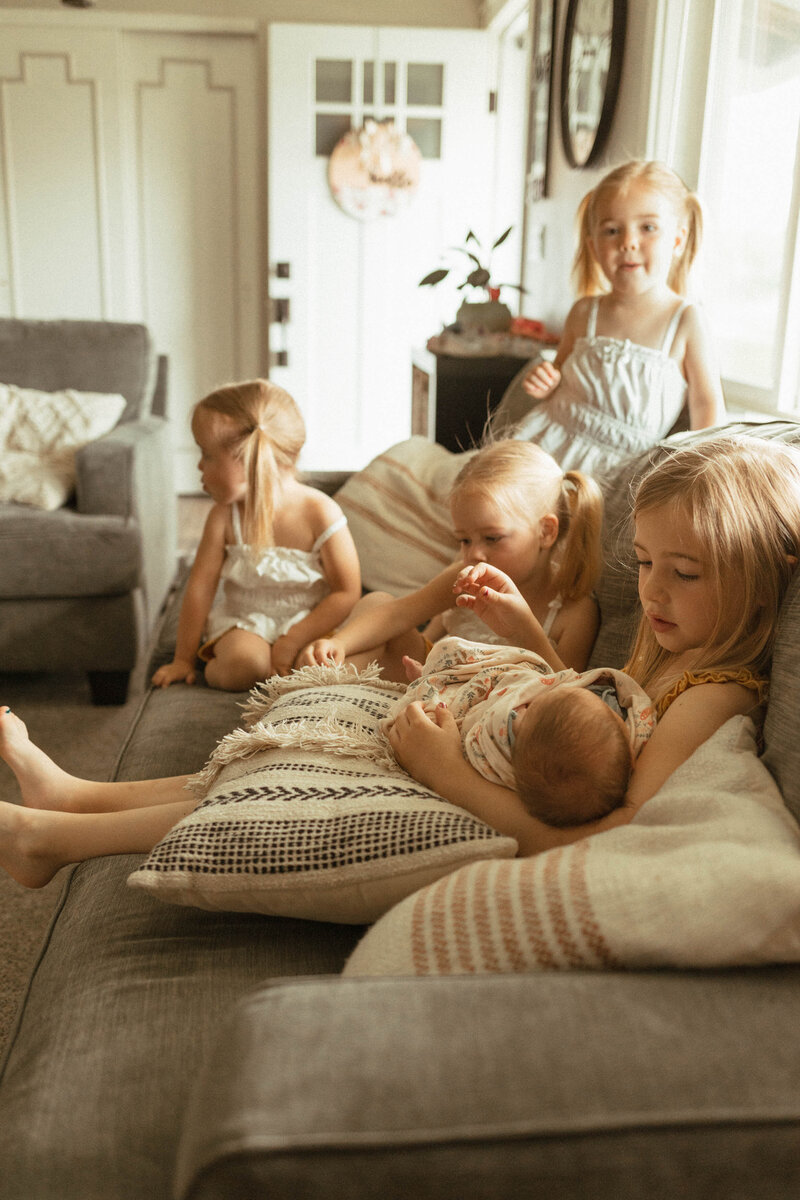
x=750, y=185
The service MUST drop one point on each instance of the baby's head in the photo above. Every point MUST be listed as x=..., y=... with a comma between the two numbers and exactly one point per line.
x=571, y=756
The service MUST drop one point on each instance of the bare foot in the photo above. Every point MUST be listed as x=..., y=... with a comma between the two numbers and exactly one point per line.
x=22, y=835
x=42, y=783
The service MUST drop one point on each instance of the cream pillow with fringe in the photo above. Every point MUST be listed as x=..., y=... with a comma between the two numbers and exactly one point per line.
x=304, y=813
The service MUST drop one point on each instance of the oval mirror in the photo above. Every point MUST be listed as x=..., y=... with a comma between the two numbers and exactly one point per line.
x=591, y=66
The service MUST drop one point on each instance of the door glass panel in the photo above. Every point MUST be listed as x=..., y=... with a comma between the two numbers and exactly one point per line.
x=334, y=80
x=369, y=82
x=330, y=127
x=425, y=83
x=427, y=133
x=389, y=83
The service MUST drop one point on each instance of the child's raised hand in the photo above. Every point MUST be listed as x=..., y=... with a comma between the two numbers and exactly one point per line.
x=324, y=652
x=541, y=380
x=177, y=671
x=495, y=598
x=425, y=744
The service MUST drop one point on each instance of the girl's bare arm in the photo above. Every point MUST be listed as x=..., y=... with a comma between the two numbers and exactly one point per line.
x=706, y=402
x=197, y=601
x=377, y=625
x=687, y=723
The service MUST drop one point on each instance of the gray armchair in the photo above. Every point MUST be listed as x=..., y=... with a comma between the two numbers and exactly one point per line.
x=81, y=586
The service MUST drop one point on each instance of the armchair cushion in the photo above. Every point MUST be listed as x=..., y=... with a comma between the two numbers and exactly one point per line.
x=63, y=553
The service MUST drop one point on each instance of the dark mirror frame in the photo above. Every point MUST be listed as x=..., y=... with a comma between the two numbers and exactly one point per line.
x=619, y=14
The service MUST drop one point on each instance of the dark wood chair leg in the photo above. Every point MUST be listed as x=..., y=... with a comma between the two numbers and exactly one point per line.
x=109, y=687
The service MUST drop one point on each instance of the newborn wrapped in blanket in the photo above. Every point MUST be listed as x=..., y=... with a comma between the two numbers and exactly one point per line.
x=517, y=734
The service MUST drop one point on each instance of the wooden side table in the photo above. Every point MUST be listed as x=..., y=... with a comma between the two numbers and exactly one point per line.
x=453, y=396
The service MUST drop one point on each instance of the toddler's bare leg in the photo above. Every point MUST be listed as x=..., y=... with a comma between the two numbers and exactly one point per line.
x=35, y=843
x=241, y=659
x=45, y=785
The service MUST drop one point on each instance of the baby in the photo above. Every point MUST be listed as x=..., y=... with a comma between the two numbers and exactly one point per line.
x=564, y=741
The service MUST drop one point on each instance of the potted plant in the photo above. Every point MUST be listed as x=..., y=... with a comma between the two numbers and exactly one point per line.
x=488, y=314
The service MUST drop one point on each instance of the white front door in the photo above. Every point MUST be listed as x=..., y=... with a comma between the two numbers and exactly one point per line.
x=355, y=309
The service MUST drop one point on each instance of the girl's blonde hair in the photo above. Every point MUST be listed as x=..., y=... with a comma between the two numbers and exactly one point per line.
x=267, y=436
x=586, y=271
x=740, y=497
x=525, y=482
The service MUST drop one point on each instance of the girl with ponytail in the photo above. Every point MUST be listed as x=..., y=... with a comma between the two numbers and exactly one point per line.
x=515, y=509
x=282, y=550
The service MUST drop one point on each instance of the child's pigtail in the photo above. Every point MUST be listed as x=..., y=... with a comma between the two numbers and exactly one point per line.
x=579, y=548
x=259, y=502
x=679, y=276
x=586, y=274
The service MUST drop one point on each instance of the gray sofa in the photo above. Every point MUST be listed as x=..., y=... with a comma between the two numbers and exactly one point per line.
x=81, y=586
x=168, y=1051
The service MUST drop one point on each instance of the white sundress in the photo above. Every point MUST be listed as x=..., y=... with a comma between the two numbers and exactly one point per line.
x=463, y=623
x=615, y=399
x=268, y=592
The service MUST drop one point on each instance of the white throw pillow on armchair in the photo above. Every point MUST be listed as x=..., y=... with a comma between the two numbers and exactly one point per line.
x=40, y=434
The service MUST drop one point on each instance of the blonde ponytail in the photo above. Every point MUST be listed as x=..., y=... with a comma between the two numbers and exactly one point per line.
x=578, y=543
x=268, y=435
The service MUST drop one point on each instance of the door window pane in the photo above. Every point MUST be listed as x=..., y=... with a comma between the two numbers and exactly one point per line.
x=425, y=83
x=427, y=133
x=330, y=127
x=334, y=81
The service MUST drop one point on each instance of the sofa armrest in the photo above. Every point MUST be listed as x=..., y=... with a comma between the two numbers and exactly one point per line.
x=610, y=1084
x=129, y=473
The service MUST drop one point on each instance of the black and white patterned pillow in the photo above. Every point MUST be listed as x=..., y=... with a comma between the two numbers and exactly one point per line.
x=307, y=816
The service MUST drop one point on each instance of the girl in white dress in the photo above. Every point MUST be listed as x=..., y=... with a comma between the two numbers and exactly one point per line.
x=283, y=552
x=633, y=351
x=513, y=507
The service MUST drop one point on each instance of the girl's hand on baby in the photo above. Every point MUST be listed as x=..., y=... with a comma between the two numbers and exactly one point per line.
x=541, y=380
x=424, y=744
x=324, y=652
x=178, y=671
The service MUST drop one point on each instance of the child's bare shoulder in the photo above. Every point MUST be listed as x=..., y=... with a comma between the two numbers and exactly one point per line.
x=319, y=509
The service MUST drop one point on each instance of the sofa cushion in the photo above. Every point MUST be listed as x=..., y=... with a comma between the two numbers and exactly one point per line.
x=309, y=816
x=707, y=874
x=65, y=553
x=90, y=356
x=620, y=1086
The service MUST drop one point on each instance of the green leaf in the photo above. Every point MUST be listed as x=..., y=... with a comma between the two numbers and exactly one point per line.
x=435, y=277
x=502, y=238
x=479, y=277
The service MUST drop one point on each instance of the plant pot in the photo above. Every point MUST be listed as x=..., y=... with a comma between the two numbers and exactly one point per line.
x=488, y=316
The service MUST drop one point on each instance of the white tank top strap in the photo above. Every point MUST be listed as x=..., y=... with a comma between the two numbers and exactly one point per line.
x=237, y=524
x=553, y=609
x=333, y=528
x=591, y=320
x=672, y=328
